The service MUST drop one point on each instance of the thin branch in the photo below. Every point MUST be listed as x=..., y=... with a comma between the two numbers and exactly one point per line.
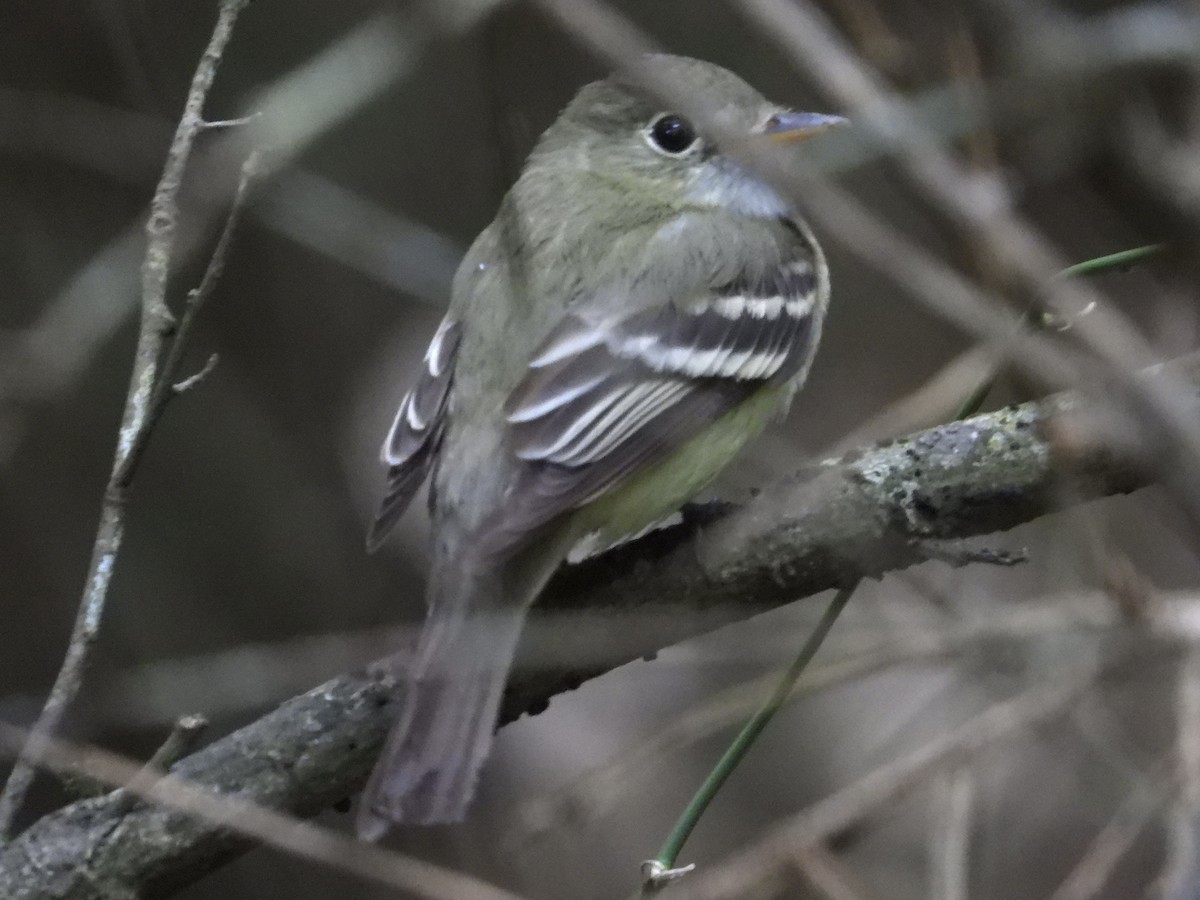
x=164, y=208
x=156, y=323
x=950, y=845
x=184, y=738
x=180, y=387
x=296, y=109
x=218, y=124
x=1183, y=824
x=165, y=387
x=801, y=536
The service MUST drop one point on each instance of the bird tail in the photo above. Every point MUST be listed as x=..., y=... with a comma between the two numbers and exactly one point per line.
x=431, y=762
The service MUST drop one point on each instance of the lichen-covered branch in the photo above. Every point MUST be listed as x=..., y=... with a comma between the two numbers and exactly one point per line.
x=869, y=512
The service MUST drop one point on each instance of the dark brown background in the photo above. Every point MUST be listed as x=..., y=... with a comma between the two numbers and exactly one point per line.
x=247, y=519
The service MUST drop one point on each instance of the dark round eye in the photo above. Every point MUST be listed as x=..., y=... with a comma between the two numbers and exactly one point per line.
x=672, y=134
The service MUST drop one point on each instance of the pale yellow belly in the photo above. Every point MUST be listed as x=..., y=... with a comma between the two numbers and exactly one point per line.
x=664, y=487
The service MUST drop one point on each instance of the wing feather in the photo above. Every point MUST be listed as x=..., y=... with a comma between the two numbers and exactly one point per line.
x=412, y=442
x=603, y=398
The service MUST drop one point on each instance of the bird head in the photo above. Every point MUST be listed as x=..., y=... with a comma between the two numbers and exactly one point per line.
x=617, y=131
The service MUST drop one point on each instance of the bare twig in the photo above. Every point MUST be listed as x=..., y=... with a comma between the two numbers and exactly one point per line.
x=950, y=846
x=1183, y=848
x=196, y=377
x=164, y=208
x=182, y=740
x=218, y=124
x=295, y=110
x=165, y=387
x=155, y=325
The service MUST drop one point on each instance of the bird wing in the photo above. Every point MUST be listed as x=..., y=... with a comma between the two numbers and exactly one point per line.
x=603, y=399
x=412, y=442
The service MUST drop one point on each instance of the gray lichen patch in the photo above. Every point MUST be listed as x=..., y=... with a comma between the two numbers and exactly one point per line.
x=935, y=484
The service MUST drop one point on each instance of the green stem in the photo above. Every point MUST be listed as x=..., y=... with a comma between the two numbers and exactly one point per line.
x=753, y=728
x=974, y=401
x=1123, y=258
x=750, y=732
x=1112, y=261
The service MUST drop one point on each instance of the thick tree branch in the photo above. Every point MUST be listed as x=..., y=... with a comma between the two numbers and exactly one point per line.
x=871, y=511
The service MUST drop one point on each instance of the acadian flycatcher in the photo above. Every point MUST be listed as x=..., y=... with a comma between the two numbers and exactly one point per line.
x=641, y=306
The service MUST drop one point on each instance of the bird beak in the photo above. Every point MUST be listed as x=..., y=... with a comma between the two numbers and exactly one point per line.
x=787, y=127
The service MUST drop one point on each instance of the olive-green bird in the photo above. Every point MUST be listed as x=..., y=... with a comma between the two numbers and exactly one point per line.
x=641, y=306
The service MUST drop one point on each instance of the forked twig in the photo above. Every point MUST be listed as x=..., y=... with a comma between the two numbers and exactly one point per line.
x=166, y=388
x=149, y=377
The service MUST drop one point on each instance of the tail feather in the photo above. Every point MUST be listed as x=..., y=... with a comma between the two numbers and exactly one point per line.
x=431, y=762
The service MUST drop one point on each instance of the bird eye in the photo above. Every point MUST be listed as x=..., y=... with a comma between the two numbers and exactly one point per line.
x=672, y=134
